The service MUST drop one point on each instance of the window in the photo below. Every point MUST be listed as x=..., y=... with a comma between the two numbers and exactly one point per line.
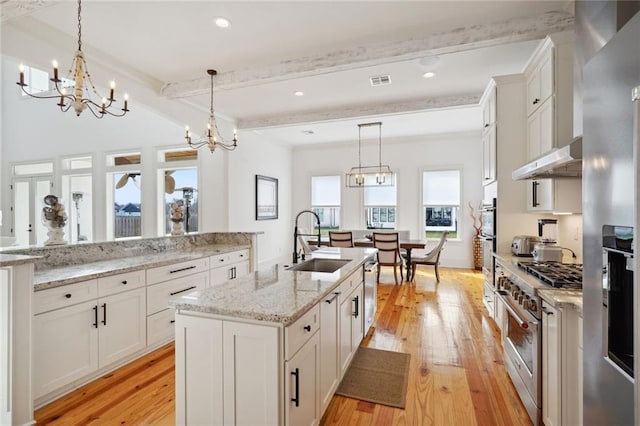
x=77, y=189
x=380, y=206
x=325, y=202
x=124, y=207
x=178, y=180
x=441, y=202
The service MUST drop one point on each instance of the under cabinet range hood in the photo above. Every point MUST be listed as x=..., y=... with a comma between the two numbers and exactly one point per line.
x=559, y=162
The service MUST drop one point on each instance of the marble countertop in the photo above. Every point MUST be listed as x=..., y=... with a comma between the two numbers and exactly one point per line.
x=559, y=298
x=55, y=277
x=16, y=259
x=274, y=294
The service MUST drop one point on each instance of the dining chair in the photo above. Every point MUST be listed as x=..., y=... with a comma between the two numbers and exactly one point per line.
x=340, y=239
x=431, y=258
x=388, y=245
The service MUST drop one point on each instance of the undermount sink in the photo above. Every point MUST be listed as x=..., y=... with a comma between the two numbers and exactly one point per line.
x=320, y=265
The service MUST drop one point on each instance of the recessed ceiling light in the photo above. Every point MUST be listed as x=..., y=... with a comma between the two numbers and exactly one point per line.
x=429, y=74
x=222, y=22
x=298, y=93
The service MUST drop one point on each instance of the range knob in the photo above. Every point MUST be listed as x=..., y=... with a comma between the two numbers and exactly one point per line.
x=521, y=296
x=533, y=306
x=526, y=303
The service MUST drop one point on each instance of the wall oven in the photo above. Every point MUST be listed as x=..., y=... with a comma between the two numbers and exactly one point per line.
x=488, y=235
x=617, y=297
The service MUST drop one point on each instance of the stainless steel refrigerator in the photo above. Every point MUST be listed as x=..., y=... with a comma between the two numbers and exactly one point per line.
x=610, y=214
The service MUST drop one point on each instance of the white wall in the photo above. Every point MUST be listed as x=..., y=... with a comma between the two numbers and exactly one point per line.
x=257, y=156
x=408, y=158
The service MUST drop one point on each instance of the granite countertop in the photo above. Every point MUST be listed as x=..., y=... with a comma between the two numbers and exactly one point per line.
x=16, y=259
x=69, y=274
x=559, y=298
x=274, y=294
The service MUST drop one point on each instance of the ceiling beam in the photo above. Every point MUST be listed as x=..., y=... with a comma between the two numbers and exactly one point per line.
x=456, y=40
x=359, y=111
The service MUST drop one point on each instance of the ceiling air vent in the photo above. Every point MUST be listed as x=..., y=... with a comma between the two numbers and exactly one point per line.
x=380, y=80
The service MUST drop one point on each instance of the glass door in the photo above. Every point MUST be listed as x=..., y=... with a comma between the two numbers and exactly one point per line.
x=28, y=195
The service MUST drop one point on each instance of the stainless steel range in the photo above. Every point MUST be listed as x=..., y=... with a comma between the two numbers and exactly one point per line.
x=522, y=325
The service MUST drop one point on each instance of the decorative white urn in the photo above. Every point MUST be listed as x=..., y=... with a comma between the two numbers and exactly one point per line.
x=55, y=234
x=177, y=228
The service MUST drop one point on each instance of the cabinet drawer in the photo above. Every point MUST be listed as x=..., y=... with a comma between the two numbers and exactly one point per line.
x=220, y=260
x=350, y=283
x=176, y=270
x=300, y=331
x=158, y=295
x=121, y=282
x=160, y=326
x=67, y=295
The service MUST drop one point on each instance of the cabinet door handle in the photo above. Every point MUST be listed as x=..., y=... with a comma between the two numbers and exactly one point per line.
x=104, y=314
x=182, y=269
x=95, y=316
x=357, y=309
x=547, y=311
x=335, y=296
x=486, y=125
x=534, y=189
x=182, y=291
x=296, y=398
x=535, y=101
x=307, y=327
x=172, y=321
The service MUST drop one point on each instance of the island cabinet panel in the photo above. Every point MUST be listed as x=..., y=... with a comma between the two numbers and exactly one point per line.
x=199, y=371
x=351, y=325
x=229, y=266
x=551, y=366
x=302, y=384
x=251, y=355
x=329, y=341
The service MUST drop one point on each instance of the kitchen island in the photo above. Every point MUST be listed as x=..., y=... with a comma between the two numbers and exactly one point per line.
x=270, y=347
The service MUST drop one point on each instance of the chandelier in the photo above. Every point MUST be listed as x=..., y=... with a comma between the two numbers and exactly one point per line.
x=211, y=140
x=363, y=176
x=79, y=83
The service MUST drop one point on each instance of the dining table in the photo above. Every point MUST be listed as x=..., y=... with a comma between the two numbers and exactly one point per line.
x=407, y=245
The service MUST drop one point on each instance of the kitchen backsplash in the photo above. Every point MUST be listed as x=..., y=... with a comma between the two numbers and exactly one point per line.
x=570, y=234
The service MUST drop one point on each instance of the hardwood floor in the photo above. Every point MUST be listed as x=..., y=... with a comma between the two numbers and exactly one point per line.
x=457, y=375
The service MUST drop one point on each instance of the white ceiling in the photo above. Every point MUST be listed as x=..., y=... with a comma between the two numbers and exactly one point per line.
x=328, y=49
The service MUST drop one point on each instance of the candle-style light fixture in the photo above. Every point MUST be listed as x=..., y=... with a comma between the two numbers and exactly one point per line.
x=82, y=89
x=379, y=175
x=212, y=138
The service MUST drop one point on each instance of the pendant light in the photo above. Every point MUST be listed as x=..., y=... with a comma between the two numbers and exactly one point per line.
x=370, y=176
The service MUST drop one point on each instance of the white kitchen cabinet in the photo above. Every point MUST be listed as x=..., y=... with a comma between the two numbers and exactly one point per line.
x=169, y=282
x=229, y=266
x=329, y=340
x=351, y=325
x=302, y=384
x=65, y=346
x=489, y=156
x=551, y=366
x=489, y=131
x=74, y=341
x=561, y=195
x=540, y=78
x=572, y=367
x=540, y=130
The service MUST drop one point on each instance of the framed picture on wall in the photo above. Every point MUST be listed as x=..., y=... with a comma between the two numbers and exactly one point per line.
x=266, y=198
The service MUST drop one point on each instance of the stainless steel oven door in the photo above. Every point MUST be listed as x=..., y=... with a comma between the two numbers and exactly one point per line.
x=522, y=343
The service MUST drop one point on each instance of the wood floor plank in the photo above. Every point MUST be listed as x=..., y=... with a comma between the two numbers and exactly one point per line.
x=457, y=375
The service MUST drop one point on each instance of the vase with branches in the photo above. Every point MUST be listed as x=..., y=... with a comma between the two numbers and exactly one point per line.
x=476, y=216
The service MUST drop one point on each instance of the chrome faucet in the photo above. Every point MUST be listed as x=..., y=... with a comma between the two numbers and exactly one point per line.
x=296, y=234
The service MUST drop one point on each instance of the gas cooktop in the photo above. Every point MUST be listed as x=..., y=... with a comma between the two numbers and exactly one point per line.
x=555, y=274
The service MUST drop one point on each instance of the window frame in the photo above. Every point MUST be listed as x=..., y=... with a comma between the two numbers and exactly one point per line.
x=366, y=206
x=312, y=226
x=110, y=170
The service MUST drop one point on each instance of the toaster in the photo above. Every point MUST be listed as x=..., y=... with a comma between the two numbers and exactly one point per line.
x=522, y=245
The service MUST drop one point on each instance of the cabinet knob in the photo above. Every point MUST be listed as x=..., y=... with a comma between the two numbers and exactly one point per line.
x=124, y=282
x=68, y=295
x=536, y=100
x=307, y=327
